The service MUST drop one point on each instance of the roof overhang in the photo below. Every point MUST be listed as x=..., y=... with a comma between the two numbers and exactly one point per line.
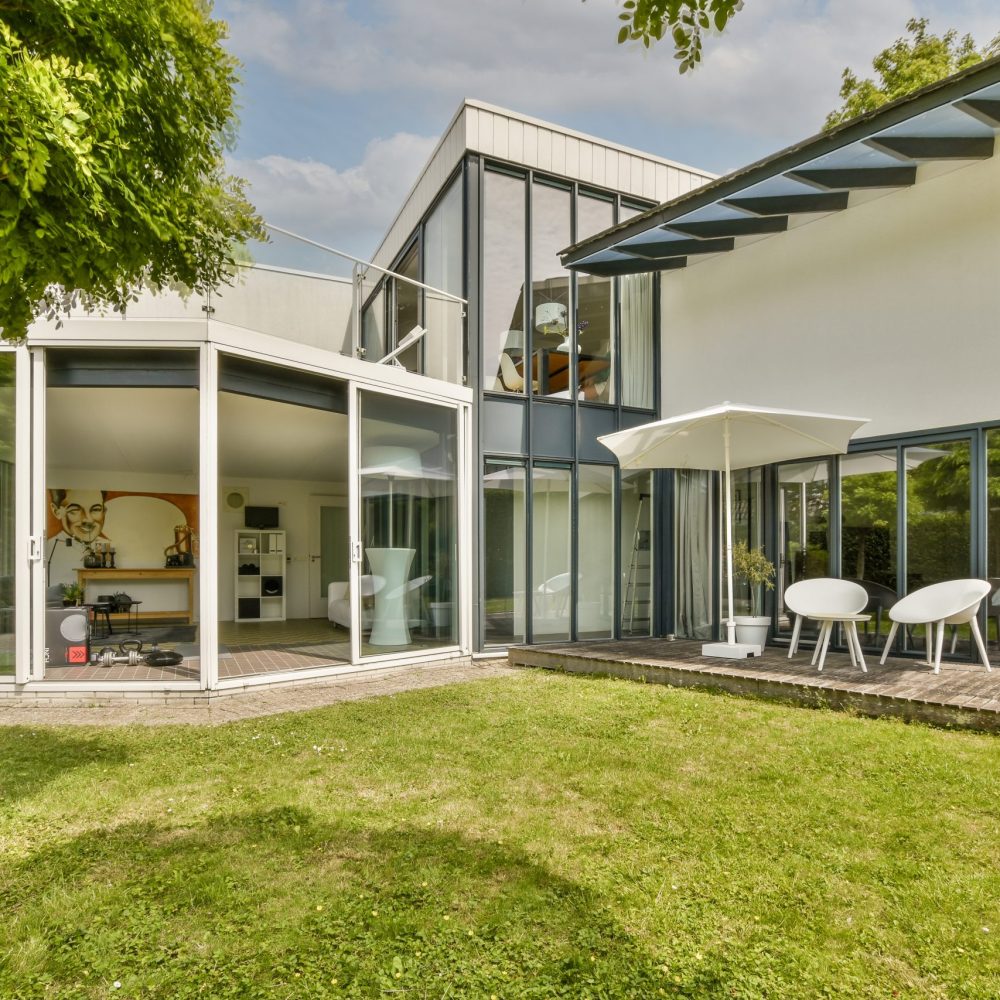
x=954, y=120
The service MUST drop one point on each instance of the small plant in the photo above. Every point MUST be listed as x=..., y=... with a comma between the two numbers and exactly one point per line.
x=72, y=593
x=754, y=567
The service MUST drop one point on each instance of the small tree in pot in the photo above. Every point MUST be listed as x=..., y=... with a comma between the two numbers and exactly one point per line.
x=757, y=570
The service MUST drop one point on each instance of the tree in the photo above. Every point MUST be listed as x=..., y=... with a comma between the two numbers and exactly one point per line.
x=648, y=21
x=113, y=122
x=908, y=65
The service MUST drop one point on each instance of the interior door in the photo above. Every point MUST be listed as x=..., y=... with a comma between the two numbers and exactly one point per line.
x=329, y=550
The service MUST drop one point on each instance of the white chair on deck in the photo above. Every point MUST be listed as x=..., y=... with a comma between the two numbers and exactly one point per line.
x=828, y=600
x=954, y=602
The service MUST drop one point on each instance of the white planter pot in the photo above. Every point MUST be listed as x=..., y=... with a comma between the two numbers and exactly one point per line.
x=752, y=629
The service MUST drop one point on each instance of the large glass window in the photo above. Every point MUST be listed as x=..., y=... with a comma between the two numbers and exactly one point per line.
x=595, y=310
x=637, y=553
x=504, y=564
x=693, y=553
x=503, y=282
x=551, y=342
x=748, y=525
x=7, y=584
x=804, y=530
x=408, y=524
x=443, y=251
x=636, y=355
x=993, y=529
x=869, y=509
x=373, y=327
x=551, y=541
x=406, y=308
x=595, y=609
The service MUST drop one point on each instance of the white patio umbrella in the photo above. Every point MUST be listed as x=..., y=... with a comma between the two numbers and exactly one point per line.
x=725, y=437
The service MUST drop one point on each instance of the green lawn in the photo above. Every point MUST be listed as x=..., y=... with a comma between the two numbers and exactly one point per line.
x=532, y=836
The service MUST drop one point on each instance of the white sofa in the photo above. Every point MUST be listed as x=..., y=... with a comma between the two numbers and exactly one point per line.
x=338, y=601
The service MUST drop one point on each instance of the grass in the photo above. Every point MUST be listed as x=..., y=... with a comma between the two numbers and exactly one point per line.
x=533, y=836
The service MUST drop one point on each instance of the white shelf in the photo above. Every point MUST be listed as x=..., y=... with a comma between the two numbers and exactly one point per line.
x=265, y=552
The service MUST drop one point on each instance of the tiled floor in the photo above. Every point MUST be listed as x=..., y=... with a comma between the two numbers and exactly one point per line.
x=963, y=694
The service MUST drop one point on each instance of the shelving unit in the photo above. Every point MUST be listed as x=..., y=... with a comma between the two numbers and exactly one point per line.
x=260, y=575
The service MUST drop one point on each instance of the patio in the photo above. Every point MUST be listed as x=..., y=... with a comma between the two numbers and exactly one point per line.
x=963, y=695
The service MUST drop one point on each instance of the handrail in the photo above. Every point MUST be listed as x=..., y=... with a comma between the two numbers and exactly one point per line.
x=365, y=263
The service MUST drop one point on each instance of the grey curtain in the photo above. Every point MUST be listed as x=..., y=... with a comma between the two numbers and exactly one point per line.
x=693, y=572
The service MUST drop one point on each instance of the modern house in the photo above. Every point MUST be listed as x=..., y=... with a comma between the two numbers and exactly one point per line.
x=254, y=482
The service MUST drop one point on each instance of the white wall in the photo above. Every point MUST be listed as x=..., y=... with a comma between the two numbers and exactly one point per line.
x=887, y=310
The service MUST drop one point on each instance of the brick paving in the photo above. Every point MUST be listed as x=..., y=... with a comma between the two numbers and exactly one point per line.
x=215, y=709
x=963, y=695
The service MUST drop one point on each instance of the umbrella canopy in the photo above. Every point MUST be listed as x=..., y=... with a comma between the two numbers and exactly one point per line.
x=730, y=436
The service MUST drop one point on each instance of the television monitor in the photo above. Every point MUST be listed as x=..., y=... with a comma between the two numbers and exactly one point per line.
x=261, y=517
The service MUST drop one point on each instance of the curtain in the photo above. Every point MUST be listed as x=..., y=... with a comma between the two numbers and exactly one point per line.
x=693, y=572
x=637, y=340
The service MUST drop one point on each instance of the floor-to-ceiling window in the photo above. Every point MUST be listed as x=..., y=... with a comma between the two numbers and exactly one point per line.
x=595, y=308
x=409, y=524
x=637, y=553
x=443, y=253
x=748, y=526
x=504, y=563
x=595, y=603
x=636, y=362
x=551, y=547
x=693, y=554
x=8, y=590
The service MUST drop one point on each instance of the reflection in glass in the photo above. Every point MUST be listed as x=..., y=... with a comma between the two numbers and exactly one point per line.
x=406, y=309
x=373, y=327
x=504, y=563
x=443, y=250
x=408, y=524
x=503, y=282
x=868, y=502
x=594, y=310
x=552, y=589
x=804, y=531
x=748, y=525
x=637, y=553
x=595, y=605
x=636, y=363
x=993, y=531
x=551, y=343
x=7, y=594
x=693, y=559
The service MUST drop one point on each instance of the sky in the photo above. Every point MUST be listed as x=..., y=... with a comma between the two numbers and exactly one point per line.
x=341, y=101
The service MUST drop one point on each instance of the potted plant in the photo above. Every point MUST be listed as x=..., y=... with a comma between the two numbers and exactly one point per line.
x=757, y=570
x=72, y=594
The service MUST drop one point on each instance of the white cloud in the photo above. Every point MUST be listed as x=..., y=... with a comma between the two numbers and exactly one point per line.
x=350, y=208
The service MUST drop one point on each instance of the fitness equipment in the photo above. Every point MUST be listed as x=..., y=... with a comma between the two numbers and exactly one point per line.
x=130, y=652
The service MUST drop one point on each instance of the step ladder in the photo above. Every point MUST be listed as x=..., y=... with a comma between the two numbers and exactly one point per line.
x=638, y=584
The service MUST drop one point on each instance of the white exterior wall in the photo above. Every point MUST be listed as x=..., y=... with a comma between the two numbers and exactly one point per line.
x=527, y=142
x=887, y=310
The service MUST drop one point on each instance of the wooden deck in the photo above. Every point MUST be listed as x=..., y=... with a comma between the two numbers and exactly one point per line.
x=963, y=695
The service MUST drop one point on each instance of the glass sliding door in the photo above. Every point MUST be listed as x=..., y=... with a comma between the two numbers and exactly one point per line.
x=408, y=468
x=595, y=605
x=551, y=546
x=869, y=514
x=637, y=553
x=504, y=548
x=748, y=525
x=803, y=531
x=8, y=589
x=694, y=531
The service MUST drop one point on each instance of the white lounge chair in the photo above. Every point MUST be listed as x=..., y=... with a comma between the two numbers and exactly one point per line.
x=954, y=602
x=338, y=601
x=827, y=600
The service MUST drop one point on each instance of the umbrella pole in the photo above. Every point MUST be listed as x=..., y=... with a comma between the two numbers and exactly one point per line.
x=730, y=623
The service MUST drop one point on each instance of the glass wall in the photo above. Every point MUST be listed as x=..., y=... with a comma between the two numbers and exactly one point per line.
x=693, y=554
x=406, y=308
x=503, y=282
x=504, y=564
x=595, y=608
x=409, y=525
x=637, y=553
x=443, y=256
x=748, y=525
x=803, y=531
x=636, y=354
x=373, y=326
x=551, y=343
x=7, y=565
x=869, y=517
x=551, y=543
x=595, y=309
x=993, y=529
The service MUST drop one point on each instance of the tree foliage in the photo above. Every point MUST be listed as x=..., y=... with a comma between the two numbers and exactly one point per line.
x=907, y=65
x=686, y=21
x=113, y=122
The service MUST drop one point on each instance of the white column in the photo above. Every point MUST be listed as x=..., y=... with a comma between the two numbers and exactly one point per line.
x=208, y=516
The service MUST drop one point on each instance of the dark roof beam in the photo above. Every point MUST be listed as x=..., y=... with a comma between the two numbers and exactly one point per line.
x=716, y=228
x=983, y=110
x=611, y=268
x=855, y=178
x=934, y=147
x=675, y=248
x=790, y=204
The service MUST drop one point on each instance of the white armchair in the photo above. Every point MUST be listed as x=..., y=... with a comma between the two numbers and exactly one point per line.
x=338, y=601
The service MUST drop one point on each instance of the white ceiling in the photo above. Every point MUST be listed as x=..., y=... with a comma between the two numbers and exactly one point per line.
x=156, y=431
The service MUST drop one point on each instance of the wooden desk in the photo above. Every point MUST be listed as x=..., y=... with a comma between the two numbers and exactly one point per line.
x=85, y=576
